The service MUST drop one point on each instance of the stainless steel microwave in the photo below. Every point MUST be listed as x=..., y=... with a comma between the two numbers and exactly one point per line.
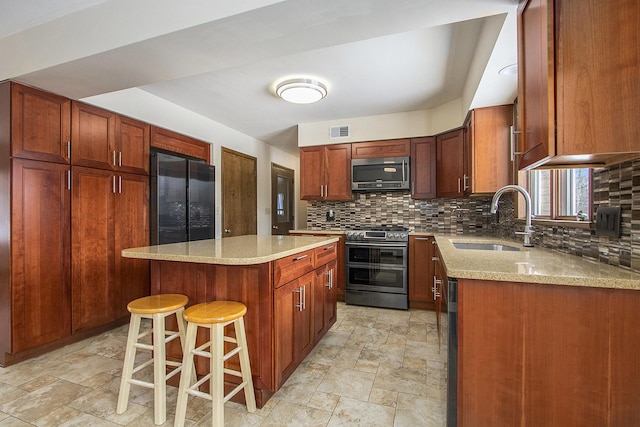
x=384, y=174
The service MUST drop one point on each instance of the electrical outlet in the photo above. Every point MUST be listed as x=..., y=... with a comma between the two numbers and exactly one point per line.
x=608, y=221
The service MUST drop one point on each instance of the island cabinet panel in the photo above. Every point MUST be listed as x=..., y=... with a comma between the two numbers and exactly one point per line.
x=40, y=124
x=40, y=266
x=294, y=337
x=550, y=355
x=490, y=354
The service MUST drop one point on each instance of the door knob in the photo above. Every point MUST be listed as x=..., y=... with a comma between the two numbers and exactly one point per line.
x=227, y=230
x=275, y=227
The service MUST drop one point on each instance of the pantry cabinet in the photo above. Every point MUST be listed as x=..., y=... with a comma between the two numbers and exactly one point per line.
x=577, y=85
x=325, y=172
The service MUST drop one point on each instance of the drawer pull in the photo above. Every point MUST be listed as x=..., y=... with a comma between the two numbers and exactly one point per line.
x=329, y=248
x=300, y=257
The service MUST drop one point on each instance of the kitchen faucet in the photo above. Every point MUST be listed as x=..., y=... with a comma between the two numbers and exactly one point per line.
x=527, y=208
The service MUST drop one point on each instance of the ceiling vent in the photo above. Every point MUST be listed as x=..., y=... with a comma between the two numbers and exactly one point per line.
x=339, y=131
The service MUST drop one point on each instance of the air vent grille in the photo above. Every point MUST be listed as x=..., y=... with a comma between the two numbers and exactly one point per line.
x=339, y=131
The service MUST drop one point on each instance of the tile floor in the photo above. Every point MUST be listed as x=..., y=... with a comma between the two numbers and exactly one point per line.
x=376, y=367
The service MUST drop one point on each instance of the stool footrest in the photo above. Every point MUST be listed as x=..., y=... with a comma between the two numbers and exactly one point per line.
x=178, y=368
x=143, y=346
x=141, y=383
x=232, y=372
x=142, y=366
x=170, y=336
x=231, y=353
x=234, y=391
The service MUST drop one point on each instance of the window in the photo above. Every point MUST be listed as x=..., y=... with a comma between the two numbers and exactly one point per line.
x=561, y=194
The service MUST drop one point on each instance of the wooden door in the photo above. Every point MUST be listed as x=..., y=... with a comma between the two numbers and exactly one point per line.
x=337, y=172
x=450, y=163
x=423, y=168
x=131, y=223
x=536, y=76
x=40, y=124
x=132, y=145
x=282, y=197
x=312, y=173
x=41, y=258
x=93, y=137
x=421, y=272
x=239, y=194
x=92, y=250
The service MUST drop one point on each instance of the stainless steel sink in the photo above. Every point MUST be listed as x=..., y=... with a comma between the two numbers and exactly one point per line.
x=484, y=246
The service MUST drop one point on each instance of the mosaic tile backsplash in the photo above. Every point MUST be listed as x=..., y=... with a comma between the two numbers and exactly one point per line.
x=618, y=185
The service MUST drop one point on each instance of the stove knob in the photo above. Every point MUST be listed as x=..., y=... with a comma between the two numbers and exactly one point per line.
x=393, y=235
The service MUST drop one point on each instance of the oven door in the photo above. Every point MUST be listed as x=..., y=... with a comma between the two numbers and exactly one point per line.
x=376, y=254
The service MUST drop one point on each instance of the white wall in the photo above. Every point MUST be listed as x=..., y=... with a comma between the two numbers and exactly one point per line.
x=389, y=126
x=144, y=106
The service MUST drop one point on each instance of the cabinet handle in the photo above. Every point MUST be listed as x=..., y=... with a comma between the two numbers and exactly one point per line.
x=458, y=185
x=300, y=257
x=422, y=238
x=322, y=191
x=114, y=185
x=304, y=297
x=326, y=190
x=120, y=184
x=435, y=258
x=69, y=179
x=114, y=158
x=512, y=142
x=434, y=289
x=120, y=159
x=299, y=304
x=465, y=186
x=329, y=248
x=329, y=274
x=68, y=149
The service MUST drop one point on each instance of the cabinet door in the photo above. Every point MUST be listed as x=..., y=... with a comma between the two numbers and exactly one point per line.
x=92, y=251
x=536, y=82
x=378, y=149
x=421, y=252
x=93, y=137
x=131, y=223
x=423, y=168
x=132, y=145
x=450, y=163
x=338, y=172
x=178, y=143
x=40, y=263
x=324, y=299
x=312, y=173
x=40, y=125
x=330, y=296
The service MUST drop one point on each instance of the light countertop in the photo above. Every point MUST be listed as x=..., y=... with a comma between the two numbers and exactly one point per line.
x=327, y=232
x=530, y=265
x=240, y=250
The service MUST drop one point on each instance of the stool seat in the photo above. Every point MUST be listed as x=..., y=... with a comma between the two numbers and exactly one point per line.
x=161, y=303
x=215, y=312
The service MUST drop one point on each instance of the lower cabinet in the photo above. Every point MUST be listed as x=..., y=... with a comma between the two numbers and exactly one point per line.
x=324, y=299
x=294, y=335
x=548, y=356
x=421, y=252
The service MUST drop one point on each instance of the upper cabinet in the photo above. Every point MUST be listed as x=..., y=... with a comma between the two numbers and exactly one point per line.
x=423, y=168
x=325, y=172
x=104, y=140
x=487, y=149
x=380, y=149
x=40, y=123
x=178, y=143
x=450, y=163
x=578, y=89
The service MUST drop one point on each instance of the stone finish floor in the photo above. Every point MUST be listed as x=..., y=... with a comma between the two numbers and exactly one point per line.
x=375, y=367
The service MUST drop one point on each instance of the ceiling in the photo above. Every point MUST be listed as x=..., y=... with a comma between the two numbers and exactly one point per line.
x=221, y=59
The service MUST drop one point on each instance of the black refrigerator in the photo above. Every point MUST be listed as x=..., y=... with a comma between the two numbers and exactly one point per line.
x=182, y=199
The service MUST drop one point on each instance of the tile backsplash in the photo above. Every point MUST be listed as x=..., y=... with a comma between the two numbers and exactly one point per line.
x=618, y=185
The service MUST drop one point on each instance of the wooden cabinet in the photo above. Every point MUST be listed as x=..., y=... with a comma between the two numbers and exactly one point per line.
x=294, y=335
x=325, y=172
x=421, y=253
x=487, y=149
x=291, y=267
x=551, y=355
x=450, y=163
x=440, y=290
x=104, y=140
x=324, y=299
x=41, y=262
x=101, y=203
x=339, y=278
x=380, y=149
x=577, y=85
x=423, y=168
x=178, y=143
x=40, y=123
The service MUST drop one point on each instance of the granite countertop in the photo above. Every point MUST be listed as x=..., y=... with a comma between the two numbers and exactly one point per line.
x=240, y=250
x=327, y=232
x=530, y=265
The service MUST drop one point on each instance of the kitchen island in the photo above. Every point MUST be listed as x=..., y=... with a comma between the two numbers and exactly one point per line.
x=286, y=282
x=542, y=337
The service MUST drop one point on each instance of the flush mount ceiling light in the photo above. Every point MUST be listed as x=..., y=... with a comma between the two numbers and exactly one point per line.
x=509, y=70
x=301, y=91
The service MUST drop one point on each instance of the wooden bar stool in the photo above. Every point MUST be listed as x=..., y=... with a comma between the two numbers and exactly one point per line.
x=157, y=308
x=215, y=315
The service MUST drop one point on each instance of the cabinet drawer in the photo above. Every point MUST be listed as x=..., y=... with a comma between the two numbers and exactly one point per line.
x=292, y=267
x=324, y=254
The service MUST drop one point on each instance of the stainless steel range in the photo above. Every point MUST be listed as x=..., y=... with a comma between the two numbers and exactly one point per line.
x=376, y=267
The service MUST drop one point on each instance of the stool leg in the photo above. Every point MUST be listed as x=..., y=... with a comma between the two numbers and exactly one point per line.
x=245, y=366
x=216, y=383
x=159, y=370
x=185, y=381
x=129, y=359
x=183, y=334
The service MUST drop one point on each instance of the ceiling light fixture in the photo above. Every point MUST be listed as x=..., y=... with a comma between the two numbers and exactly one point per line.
x=509, y=70
x=301, y=91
